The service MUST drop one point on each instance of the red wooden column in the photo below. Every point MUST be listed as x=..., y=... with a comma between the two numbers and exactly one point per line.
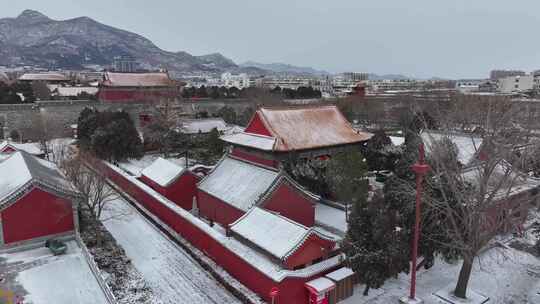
x=420, y=168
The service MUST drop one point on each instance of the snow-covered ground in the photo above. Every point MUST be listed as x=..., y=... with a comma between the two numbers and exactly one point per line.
x=42, y=278
x=171, y=273
x=505, y=275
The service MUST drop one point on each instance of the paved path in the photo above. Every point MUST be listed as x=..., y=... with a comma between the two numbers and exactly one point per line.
x=171, y=273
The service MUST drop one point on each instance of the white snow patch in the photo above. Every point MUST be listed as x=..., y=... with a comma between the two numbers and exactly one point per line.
x=397, y=140
x=504, y=275
x=64, y=279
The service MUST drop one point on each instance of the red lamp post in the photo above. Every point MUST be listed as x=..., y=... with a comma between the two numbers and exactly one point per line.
x=274, y=292
x=420, y=168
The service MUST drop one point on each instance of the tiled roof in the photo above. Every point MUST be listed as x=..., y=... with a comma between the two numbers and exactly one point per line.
x=163, y=172
x=300, y=128
x=26, y=170
x=251, y=140
x=44, y=77
x=137, y=80
x=273, y=233
x=32, y=148
x=238, y=183
x=194, y=126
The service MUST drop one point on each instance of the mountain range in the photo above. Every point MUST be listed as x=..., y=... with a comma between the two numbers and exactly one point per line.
x=34, y=39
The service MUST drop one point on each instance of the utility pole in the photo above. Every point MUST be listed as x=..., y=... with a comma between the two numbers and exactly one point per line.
x=420, y=168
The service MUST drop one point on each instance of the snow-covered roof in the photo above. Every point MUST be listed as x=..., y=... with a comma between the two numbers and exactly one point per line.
x=194, y=126
x=321, y=284
x=397, y=140
x=504, y=179
x=467, y=145
x=255, y=258
x=163, y=172
x=273, y=233
x=4, y=77
x=251, y=140
x=32, y=148
x=49, y=76
x=238, y=183
x=25, y=170
x=299, y=128
x=340, y=274
x=233, y=129
x=331, y=218
x=75, y=91
x=136, y=80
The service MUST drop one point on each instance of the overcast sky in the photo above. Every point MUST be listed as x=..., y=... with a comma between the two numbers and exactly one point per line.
x=422, y=38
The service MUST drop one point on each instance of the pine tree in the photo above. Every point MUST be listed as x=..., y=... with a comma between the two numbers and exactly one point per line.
x=87, y=123
x=215, y=145
x=375, y=246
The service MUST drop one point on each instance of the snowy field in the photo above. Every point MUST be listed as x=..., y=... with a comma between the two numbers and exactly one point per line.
x=505, y=275
x=42, y=278
x=171, y=273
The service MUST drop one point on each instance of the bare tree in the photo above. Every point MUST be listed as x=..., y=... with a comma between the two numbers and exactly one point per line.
x=471, y=204
x=43, y=128
x=96, y=194
x=162, y=128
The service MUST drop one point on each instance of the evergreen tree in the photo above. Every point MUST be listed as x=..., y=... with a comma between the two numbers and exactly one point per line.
x=214, y=92
x=233, y=92
x=117, y=139
x=375, y=241
x=87, y=123
x=376, y=245
x=346, y=176
x=201, y=92
x=228, y=114
x=215, y=145
x=409, y=156
x=379, y=152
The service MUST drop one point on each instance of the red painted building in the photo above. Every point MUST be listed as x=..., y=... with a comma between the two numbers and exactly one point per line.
x=8, y=147
x=287, y=242
x=36, y=201
x=236, y=185
x=307, y=130
x=136, y=87
x=172, y=181
x=269, y=238
x=250, y=266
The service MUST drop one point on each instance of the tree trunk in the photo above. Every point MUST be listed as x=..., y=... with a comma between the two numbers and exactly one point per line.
x=97, y=231
x=463, y=280
x=366, y=291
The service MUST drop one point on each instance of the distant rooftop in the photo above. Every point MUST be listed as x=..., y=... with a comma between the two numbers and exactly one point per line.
x=158, y=79
x=48, y=76
x=205, y=125
x=298, y=128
